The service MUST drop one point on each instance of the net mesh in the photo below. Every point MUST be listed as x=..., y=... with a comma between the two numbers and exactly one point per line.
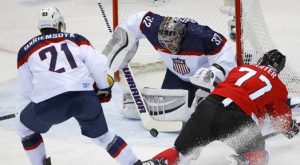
x=147, y=58
x=256, y=41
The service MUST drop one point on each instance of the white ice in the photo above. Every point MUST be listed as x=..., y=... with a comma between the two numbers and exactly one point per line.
x=64, y=142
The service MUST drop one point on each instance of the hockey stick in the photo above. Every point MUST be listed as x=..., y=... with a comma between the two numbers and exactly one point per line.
x=104, y=16
x=154, y=126
x=5, y=117
x=273, y=134
x=270, y=135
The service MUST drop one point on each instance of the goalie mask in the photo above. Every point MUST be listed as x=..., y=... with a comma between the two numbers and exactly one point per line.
x=274, y=59
x=171, y=31
x=51, y=18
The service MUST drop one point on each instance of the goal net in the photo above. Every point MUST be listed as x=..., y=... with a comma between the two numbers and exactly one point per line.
x=255, y=41
x=254, y=37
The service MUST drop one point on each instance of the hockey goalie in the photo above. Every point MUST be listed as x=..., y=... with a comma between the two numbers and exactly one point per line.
x=190, y=67
x=193, y=54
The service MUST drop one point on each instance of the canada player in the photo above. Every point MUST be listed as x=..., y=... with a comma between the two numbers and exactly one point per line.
x=57, y=71
x=248, y=94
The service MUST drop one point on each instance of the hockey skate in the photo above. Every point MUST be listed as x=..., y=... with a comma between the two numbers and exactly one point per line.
x=152, y=162
x=47, y=161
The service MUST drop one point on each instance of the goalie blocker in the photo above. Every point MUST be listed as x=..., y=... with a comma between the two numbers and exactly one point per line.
x=120, y=49
x=162, y=104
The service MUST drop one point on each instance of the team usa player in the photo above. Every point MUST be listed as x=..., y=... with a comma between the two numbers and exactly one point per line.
x=190, y=51
x=186, y=47
x=57, y=71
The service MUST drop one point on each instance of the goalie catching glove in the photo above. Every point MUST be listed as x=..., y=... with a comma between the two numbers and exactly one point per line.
x=208, y=78
x=104, y=95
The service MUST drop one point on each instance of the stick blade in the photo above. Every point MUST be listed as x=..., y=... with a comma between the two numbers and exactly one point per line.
x=161, y=126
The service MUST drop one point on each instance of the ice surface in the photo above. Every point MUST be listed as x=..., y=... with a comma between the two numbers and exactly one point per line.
x=64, y=142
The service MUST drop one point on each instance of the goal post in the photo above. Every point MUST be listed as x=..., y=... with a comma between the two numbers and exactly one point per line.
x=237, y=7
x=252, y=40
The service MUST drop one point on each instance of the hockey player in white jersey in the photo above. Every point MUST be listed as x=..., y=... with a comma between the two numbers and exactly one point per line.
x=188, y=49
x=56, y=71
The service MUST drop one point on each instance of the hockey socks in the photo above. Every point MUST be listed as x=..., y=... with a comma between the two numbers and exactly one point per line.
x=35, y=149
x=117, y=148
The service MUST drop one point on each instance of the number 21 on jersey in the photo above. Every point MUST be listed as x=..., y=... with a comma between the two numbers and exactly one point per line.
x=250, y=73
x=53, y=52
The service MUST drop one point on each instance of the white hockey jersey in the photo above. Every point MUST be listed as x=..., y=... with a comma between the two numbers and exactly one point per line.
x=49, y=65
x=200, y=47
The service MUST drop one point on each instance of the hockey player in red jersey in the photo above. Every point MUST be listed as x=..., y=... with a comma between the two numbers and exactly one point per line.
x=56, y=71
x=248, y=94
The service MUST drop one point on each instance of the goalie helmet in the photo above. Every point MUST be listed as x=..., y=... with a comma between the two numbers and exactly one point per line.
x=51, y=18
x=274, y=59
x=171, y=31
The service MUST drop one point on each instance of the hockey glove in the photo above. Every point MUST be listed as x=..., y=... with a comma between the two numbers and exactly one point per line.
x=208, y=78
x=294, y=130
x=104, y=95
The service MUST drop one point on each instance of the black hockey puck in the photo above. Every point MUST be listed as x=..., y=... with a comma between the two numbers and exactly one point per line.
x=153, y=132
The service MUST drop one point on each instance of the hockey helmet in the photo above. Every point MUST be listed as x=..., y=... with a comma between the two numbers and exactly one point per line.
x=171, y=31
x=274, y=59
x=50, y=17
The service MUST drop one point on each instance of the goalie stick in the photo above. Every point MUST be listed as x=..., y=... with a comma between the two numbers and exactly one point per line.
x=148, y=122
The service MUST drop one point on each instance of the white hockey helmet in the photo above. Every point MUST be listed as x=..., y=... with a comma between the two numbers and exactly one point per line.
x=50, y=17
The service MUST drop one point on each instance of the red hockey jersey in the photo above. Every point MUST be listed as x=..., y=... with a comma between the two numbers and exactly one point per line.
x=258, y=91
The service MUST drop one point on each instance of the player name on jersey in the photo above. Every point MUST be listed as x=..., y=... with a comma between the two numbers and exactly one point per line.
x=45, y=37
x=271, y=71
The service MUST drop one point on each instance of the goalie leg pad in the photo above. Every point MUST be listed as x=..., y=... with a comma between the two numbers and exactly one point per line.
x=162, y=104
x=129, y=107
